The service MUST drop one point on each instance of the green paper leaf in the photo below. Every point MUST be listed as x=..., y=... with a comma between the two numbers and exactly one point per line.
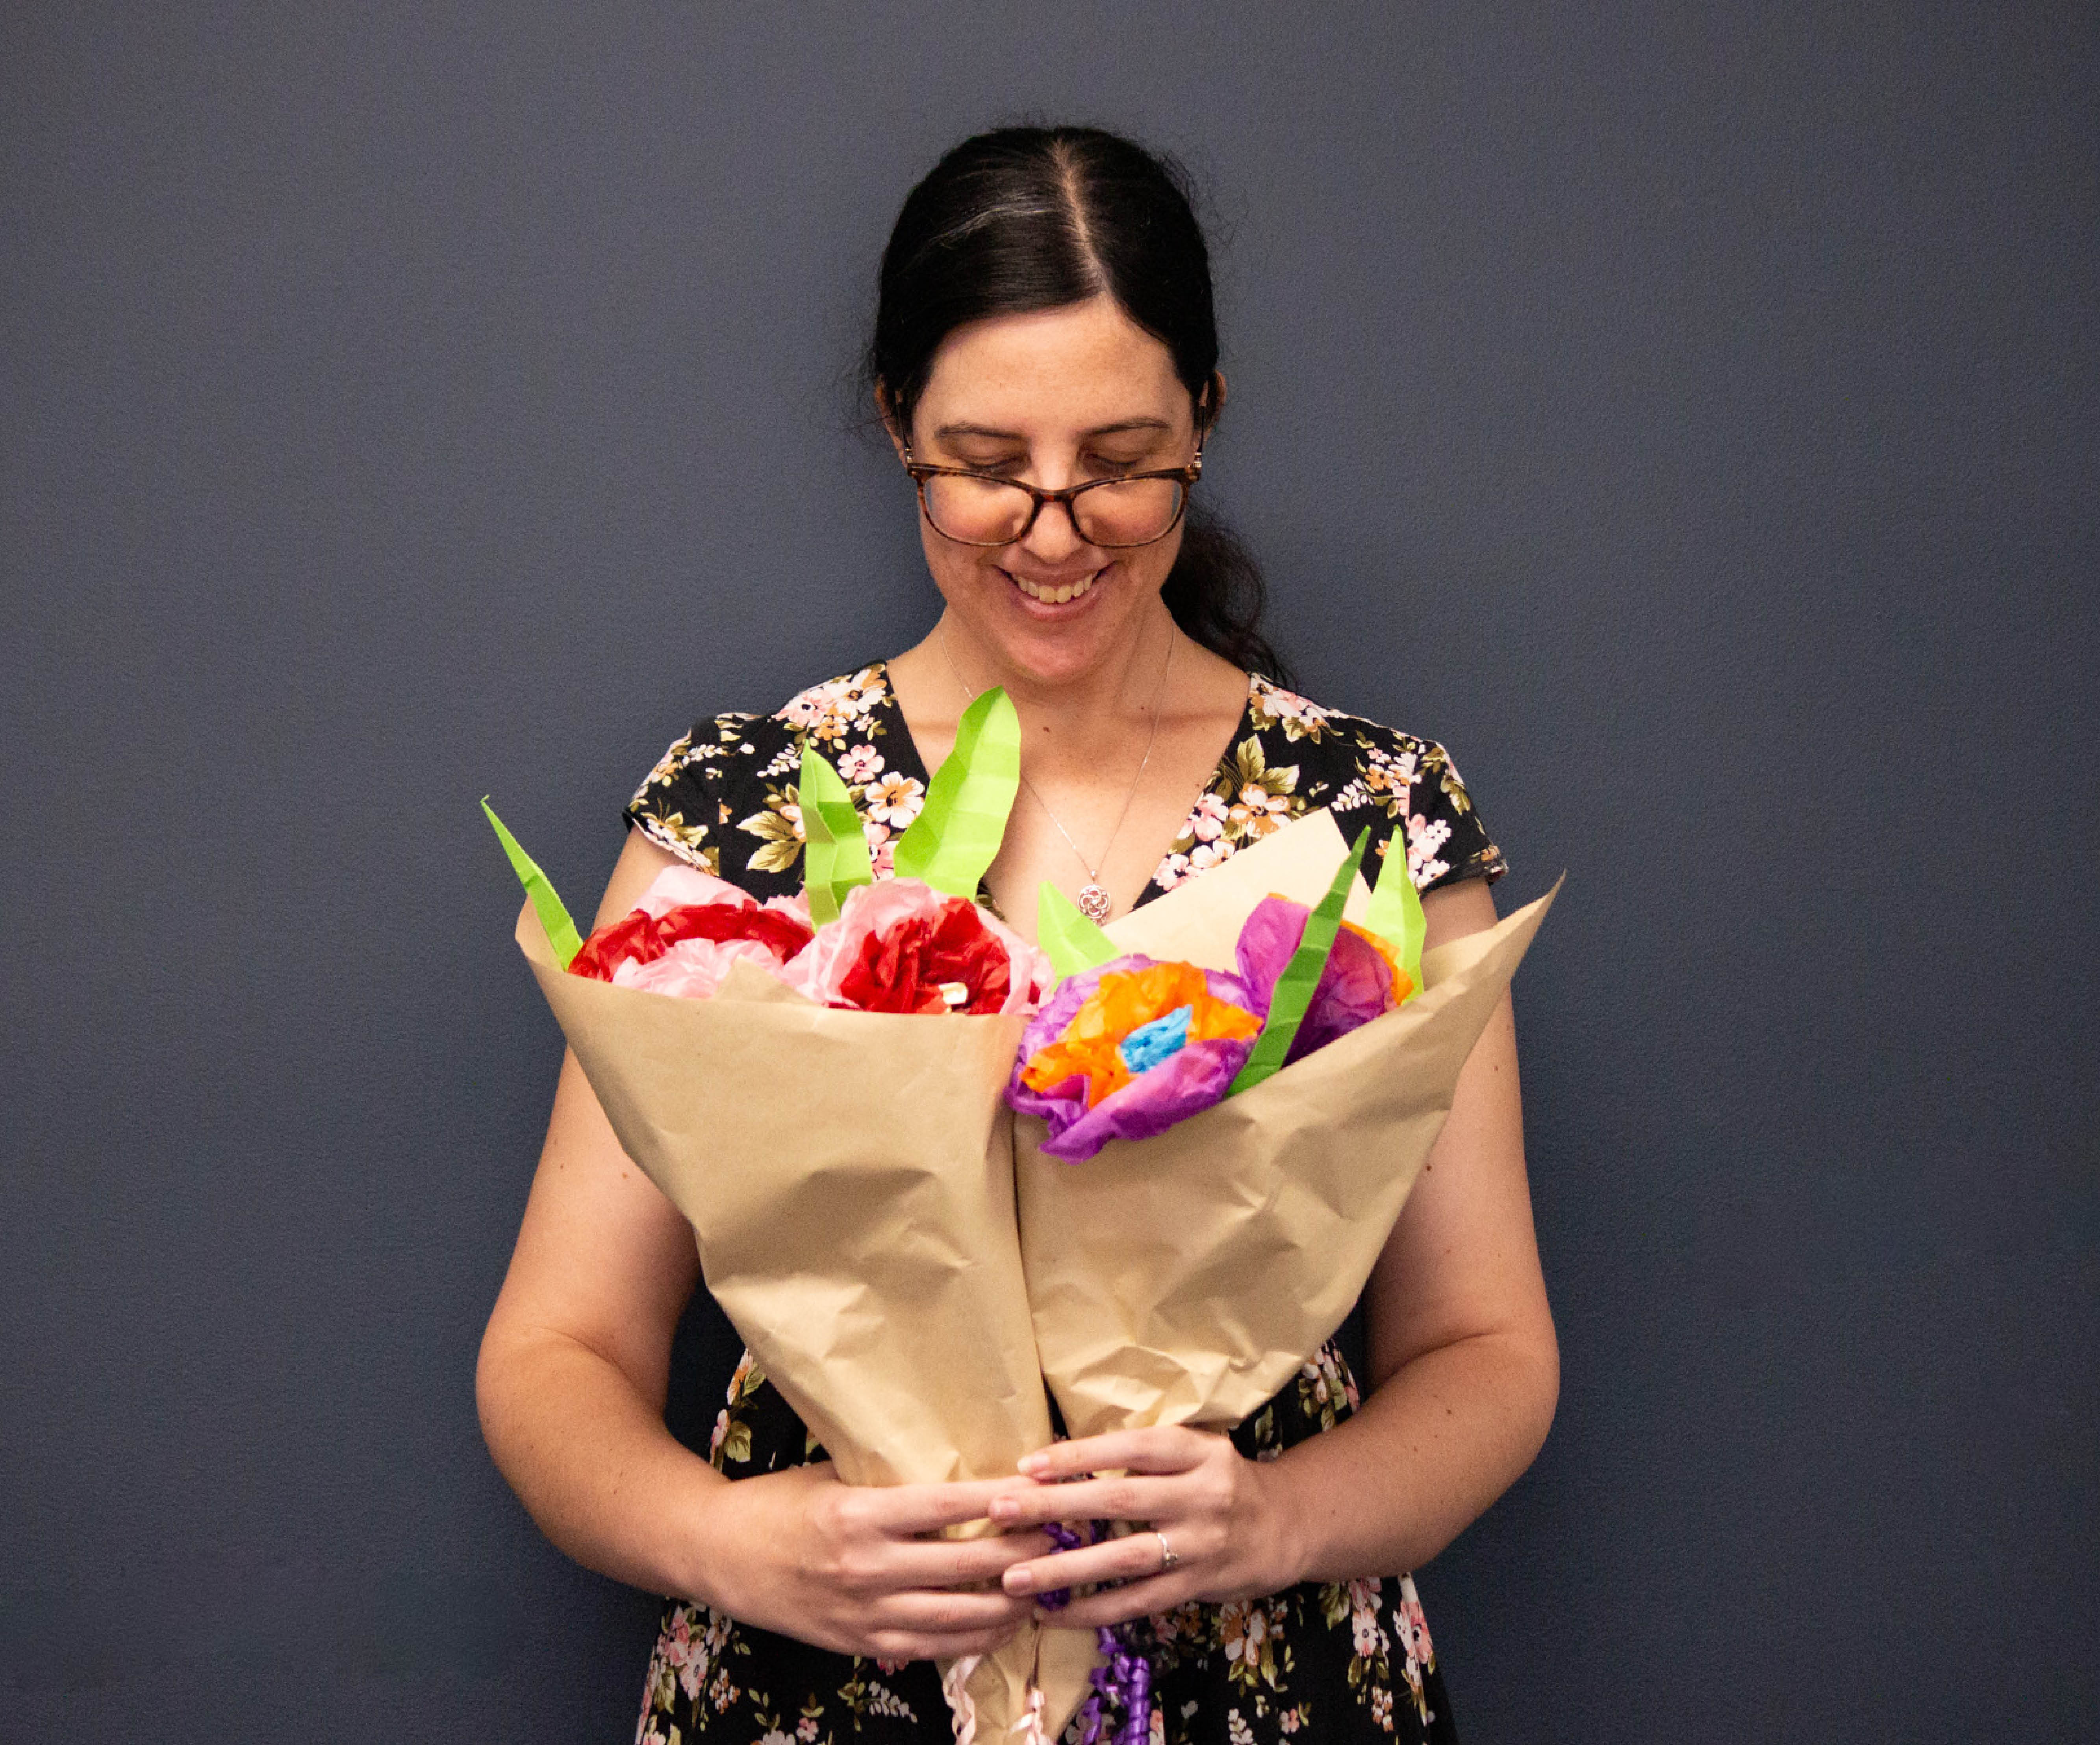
x=1071, y=941
x=1296, y=987
x=956, y=836
x=834, y=846
x=1395, y=914
x=562, y=937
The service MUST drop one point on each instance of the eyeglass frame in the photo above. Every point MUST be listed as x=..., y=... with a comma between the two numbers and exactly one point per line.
x=921, y=471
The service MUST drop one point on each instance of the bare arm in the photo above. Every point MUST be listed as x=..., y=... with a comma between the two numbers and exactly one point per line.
x=1464, y=1373
x=1465, y=1369
x=574, y=1369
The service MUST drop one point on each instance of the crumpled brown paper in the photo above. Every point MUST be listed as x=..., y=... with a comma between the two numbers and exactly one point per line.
x=849, y=1177
x=1186, y=1278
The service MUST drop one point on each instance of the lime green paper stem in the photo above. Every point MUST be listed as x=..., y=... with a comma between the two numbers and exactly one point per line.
x=1395, y=914
x=833, y=845
x=957, y=834
x=1070, y=941
x=1294, y=989
x=562, y=937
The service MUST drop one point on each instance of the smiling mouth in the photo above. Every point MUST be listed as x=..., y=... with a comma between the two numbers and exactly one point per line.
x=1056, y=596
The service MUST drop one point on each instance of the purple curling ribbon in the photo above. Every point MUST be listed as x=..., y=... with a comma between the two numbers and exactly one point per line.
x=1123, y=1683
x=1064, y=1539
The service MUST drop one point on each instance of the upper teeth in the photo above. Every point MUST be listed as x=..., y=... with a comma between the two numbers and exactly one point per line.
x=1054, y=596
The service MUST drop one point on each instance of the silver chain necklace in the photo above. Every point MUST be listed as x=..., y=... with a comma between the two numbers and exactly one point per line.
x=1095, y=902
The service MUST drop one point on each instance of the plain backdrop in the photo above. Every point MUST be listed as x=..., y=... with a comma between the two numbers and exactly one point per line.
x=1687, y=414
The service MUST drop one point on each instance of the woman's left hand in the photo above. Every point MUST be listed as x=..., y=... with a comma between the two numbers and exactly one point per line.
x=1229, y=1521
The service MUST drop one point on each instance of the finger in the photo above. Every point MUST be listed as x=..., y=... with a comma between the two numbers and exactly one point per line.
x=1138, y=1498
x=873, y=1569
x=1115, y=1606
x=909, y=1645
x=1135, y=1557
x=1149, y=1450
x=913, y=1509
x=939, y=1612
x=958, y=1562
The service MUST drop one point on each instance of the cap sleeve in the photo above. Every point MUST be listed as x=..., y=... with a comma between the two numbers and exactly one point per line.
x=1392, y=778
x=676, y=805
x=1446, y=841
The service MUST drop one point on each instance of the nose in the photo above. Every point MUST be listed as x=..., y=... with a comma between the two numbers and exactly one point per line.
x=1055, y=534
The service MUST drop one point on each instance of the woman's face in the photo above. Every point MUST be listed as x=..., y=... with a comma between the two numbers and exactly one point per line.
x=1053, y=399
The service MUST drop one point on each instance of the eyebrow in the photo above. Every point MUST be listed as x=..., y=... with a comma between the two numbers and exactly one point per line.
x=1104, y=430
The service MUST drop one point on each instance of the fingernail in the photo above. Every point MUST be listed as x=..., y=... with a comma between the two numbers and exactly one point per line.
x=1020, y=1579
x=1003, y=1508
x=1033, y=1463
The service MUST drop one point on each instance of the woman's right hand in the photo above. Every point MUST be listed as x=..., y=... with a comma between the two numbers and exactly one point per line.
x=854, y=1568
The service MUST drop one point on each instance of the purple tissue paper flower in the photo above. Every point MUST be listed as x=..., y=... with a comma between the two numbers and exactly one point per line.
x=1356, y=986
x=1185, y=1083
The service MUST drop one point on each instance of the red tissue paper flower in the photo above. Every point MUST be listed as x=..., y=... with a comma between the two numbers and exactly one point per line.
x=900, y=946
x=688, y=929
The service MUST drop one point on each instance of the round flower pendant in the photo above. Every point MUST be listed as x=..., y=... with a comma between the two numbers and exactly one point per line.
x=1094, y=902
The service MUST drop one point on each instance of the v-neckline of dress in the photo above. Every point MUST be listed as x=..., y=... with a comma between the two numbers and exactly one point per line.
x=918, y=770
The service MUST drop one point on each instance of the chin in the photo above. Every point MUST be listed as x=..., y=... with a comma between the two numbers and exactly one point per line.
x=1051, y=651
x=1054, y=661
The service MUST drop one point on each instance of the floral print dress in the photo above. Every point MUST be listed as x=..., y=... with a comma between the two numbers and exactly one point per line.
x=1321, y=1661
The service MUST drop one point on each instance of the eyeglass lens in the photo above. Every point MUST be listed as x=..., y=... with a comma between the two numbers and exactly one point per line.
x=990, y=512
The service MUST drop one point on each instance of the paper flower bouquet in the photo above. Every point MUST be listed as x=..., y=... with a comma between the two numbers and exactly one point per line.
x=1222, y=1110
x=1192, y=1234
x=817, y=1085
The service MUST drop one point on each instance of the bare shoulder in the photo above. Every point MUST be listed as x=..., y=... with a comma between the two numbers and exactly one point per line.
x=639, y=862
x=1208, y=684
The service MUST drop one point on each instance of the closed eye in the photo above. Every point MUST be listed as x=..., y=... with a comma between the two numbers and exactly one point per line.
x=1117, y=466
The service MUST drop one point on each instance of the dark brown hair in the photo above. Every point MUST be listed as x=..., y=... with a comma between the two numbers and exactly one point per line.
x=1027, y=218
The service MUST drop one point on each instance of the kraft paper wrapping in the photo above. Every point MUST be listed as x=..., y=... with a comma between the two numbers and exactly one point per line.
x=1183, y=1278
x=848, y=1178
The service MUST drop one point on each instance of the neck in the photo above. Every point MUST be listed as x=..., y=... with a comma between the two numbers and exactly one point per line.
x=1098, y=705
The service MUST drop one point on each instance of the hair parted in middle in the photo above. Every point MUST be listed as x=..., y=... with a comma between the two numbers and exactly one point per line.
x=1023, y=219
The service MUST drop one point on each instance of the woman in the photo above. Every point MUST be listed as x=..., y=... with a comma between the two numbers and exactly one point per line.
x=1045, y=361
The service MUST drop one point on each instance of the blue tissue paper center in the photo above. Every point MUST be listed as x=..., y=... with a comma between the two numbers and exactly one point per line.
x=1161, y=1039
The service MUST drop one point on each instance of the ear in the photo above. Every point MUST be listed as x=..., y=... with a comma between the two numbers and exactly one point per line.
x=885, y=408
x=1211, y=404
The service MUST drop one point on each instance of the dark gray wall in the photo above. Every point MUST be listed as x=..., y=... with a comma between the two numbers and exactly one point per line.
x=1691, y=419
